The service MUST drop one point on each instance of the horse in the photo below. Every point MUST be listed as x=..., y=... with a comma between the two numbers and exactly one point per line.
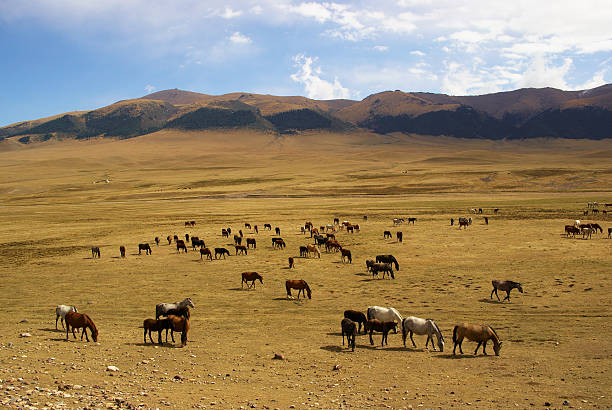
x=369, y=263
x=207, y=252
x=329, y=227
x=241, y=249
x=349, y=328
x=313, y=249
x=382, y=267
x=357, y=317
x=303, y=251
x=336, y=221
x=609, y=232
x=380, y=326
x=229, y=230
x=199, y=242
x=247, y=225
x=277, y=230
x=586, y=231
x=251, y=242
x=252, y=277
x=179, y=324
x=350, y=228
x=122, y=251
x=330, y=236
x=291, y=262
x=156, y=325
x=596, y=227
x=479, y=210
x=278, y=243
x=320, y=240
x=388, y=259
x=463, y=222
x=345, y=254
x=256, y=229
x=486, y=219
x=506, y=286
x=571, y=229
x=387, y=234
x=187, y=223
x=60, y=313
x=268, y=227
x=182, y=311
x=240, y=233
x=397, y=221
x=411, y=221
x=78, y=320
x=356, y=227
x=335, y=245
x=180, y=244
x=175, y=237
x=400, y=236
x=476, y=333
x=237, y=240
x=384, y=314
x=144, y=247
x=224, y=233
x=169, y=239
x=187, y=237
x=452, y=221
x=222, y=252
x=95, y=252
x=162, y=308
x=157, y=240
x=313, y=232
x=299, y=284
x=420, y=326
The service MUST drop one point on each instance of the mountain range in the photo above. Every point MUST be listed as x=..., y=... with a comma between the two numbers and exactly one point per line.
x=523, y=113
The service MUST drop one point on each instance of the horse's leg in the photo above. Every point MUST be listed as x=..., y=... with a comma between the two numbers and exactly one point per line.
x=172, y=335
x=412, y=340
x=493, y=291
x=497, y=295
x=159, y=341
x=507, y=295
x=67, y=326
x=58, y=316
x=371, y=340
x=476, y=351
x=347, y=337
x=484, y=347
x=145, y=335
x=73, y=332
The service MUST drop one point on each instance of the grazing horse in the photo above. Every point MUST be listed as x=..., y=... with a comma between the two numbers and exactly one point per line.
x=349, y=328
x=157, y=240
x=350, y=228
x=222, y=252
x=251, y=242
x=60, y=313
x=357, y=317
x=199, y=242
x=268, y=227
x=388, y=259
x=77, y=320
x=256, y=229
x=291, y=262
x=278, y=243
x=571, y=229
x=224, y=233
x=506, y=286
x=303, y=251
x=237, y=240
x=299, y=284
x=187, y=237
x=252, y=277
x=452, y=221
x=277, y=230
x=380, y=326
x=122, y=251
x=156, y=325
x=241, y=249
x=411, y=221
x=463, y=222
x=369, y=263
x=180, y=244
x=476, y=333
x=397, y=221
x=356, y=227
x=596, y=227
x=161, y=309
x=175, y=237
x=586, y=231
x=179, y=324
x=345, y=254
x=169, y=238
x=609, y=232
x=313, y=249
x=400, y=236
x=330, y=236
x=382, y=267
x=207, y=252
x=387, y=234
x=336, y=221
x=384, y=314
x=335, y=245
x=95, y=252
x=247, y=226
x=420, y=326
x=187, y=223
x=144, y=247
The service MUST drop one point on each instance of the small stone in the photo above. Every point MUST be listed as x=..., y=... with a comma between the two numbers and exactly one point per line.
x=112, y=369
x=25, y=321
x=178, y=377
x=26, y=334
x=278, y=356
x=566, y=403
x=547, y=404
x=338, y=367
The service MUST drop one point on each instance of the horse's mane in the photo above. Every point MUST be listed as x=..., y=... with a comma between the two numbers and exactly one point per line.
x=435, y=326
x=92, y=325
x=494, y=332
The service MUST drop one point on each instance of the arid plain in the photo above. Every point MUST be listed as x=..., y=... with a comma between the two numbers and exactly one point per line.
x=556, y=335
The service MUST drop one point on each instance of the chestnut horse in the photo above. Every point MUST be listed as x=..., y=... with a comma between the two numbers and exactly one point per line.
x=179, y=324
x=80, y=320
x=380, y=326
x=207, y=252
x=158, y=326
x=313, y=249
x=144, y=247
x=169, y=238
x=346, y=254
x=299, y=284
x=476, y=333
x=252, y=277
x=180, y=244
x=349, y=328
x=291, y=262
x=241, y=249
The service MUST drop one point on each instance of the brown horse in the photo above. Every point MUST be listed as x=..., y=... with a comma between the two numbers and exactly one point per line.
x=346, y=254
x=222, y=252
x=237, y=240
x=144, y=247
x=299, y=284
x=179, y=324
x=250, y=277
x=335, y=245
x=278, y=243
x=571, y=230
x=349, y=328
x=224, y=233
x=207, y=252
x=169, y=238
x=313, y=249
x=505, y=286
x=476, y=333
x=251, y=242
x=122, y=251
x=157, y=240
x=95, y=252
x=387, y=234
x=153, y=325
x=380, y=326
x=80, y=320
x=241, y=249
x=400, y=236
x=350, y=228
x=357, y=317
x=180, y=244
x=291, y=262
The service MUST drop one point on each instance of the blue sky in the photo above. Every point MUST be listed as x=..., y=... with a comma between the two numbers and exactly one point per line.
x=66, y=55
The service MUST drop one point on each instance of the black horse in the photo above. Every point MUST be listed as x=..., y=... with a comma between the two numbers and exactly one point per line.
x=144, y=247
x=221, y=251
x=388, y=259
x=357, y=317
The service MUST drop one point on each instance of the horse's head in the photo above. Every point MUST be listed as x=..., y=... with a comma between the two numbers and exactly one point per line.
x=519, y=287
x=309, y=293
x=441, y=344
x=497, y=348
x=189, y=303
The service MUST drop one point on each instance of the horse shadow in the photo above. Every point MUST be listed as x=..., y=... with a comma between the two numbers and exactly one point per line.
x=164, y=344
x=50, y=329
x=362, y=274
x=336, y=349
x=334, y=334
x=492, y=301
x=237, y=289
x=459, y=356
x=115, y=257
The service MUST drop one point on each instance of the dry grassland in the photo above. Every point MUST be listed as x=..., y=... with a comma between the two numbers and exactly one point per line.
x=556, y=336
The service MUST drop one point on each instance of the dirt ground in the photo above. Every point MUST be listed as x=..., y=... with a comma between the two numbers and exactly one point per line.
x=556, y=335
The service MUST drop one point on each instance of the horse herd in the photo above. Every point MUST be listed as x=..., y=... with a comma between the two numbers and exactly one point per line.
x=584, y=229
x=384, y=319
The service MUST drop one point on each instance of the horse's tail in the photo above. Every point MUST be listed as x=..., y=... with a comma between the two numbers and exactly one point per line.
x=455, y=333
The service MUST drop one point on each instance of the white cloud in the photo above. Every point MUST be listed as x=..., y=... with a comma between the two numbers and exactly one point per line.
x=228, y=13
x=381, y=48
x=314, y=86
x=417, y=53
x=149, y=88
x=238, y=38
x=541, y=73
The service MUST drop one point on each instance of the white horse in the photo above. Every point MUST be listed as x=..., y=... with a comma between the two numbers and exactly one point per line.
x=586, y=231
x=397, y=221
x=422, y=327
x=60, y=312
x=162, y=308
x=385, y=314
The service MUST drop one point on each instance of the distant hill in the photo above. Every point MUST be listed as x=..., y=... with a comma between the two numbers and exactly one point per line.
x=524, y=113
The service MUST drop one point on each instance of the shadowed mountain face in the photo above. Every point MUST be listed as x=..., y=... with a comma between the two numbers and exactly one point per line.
x=524, y=113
